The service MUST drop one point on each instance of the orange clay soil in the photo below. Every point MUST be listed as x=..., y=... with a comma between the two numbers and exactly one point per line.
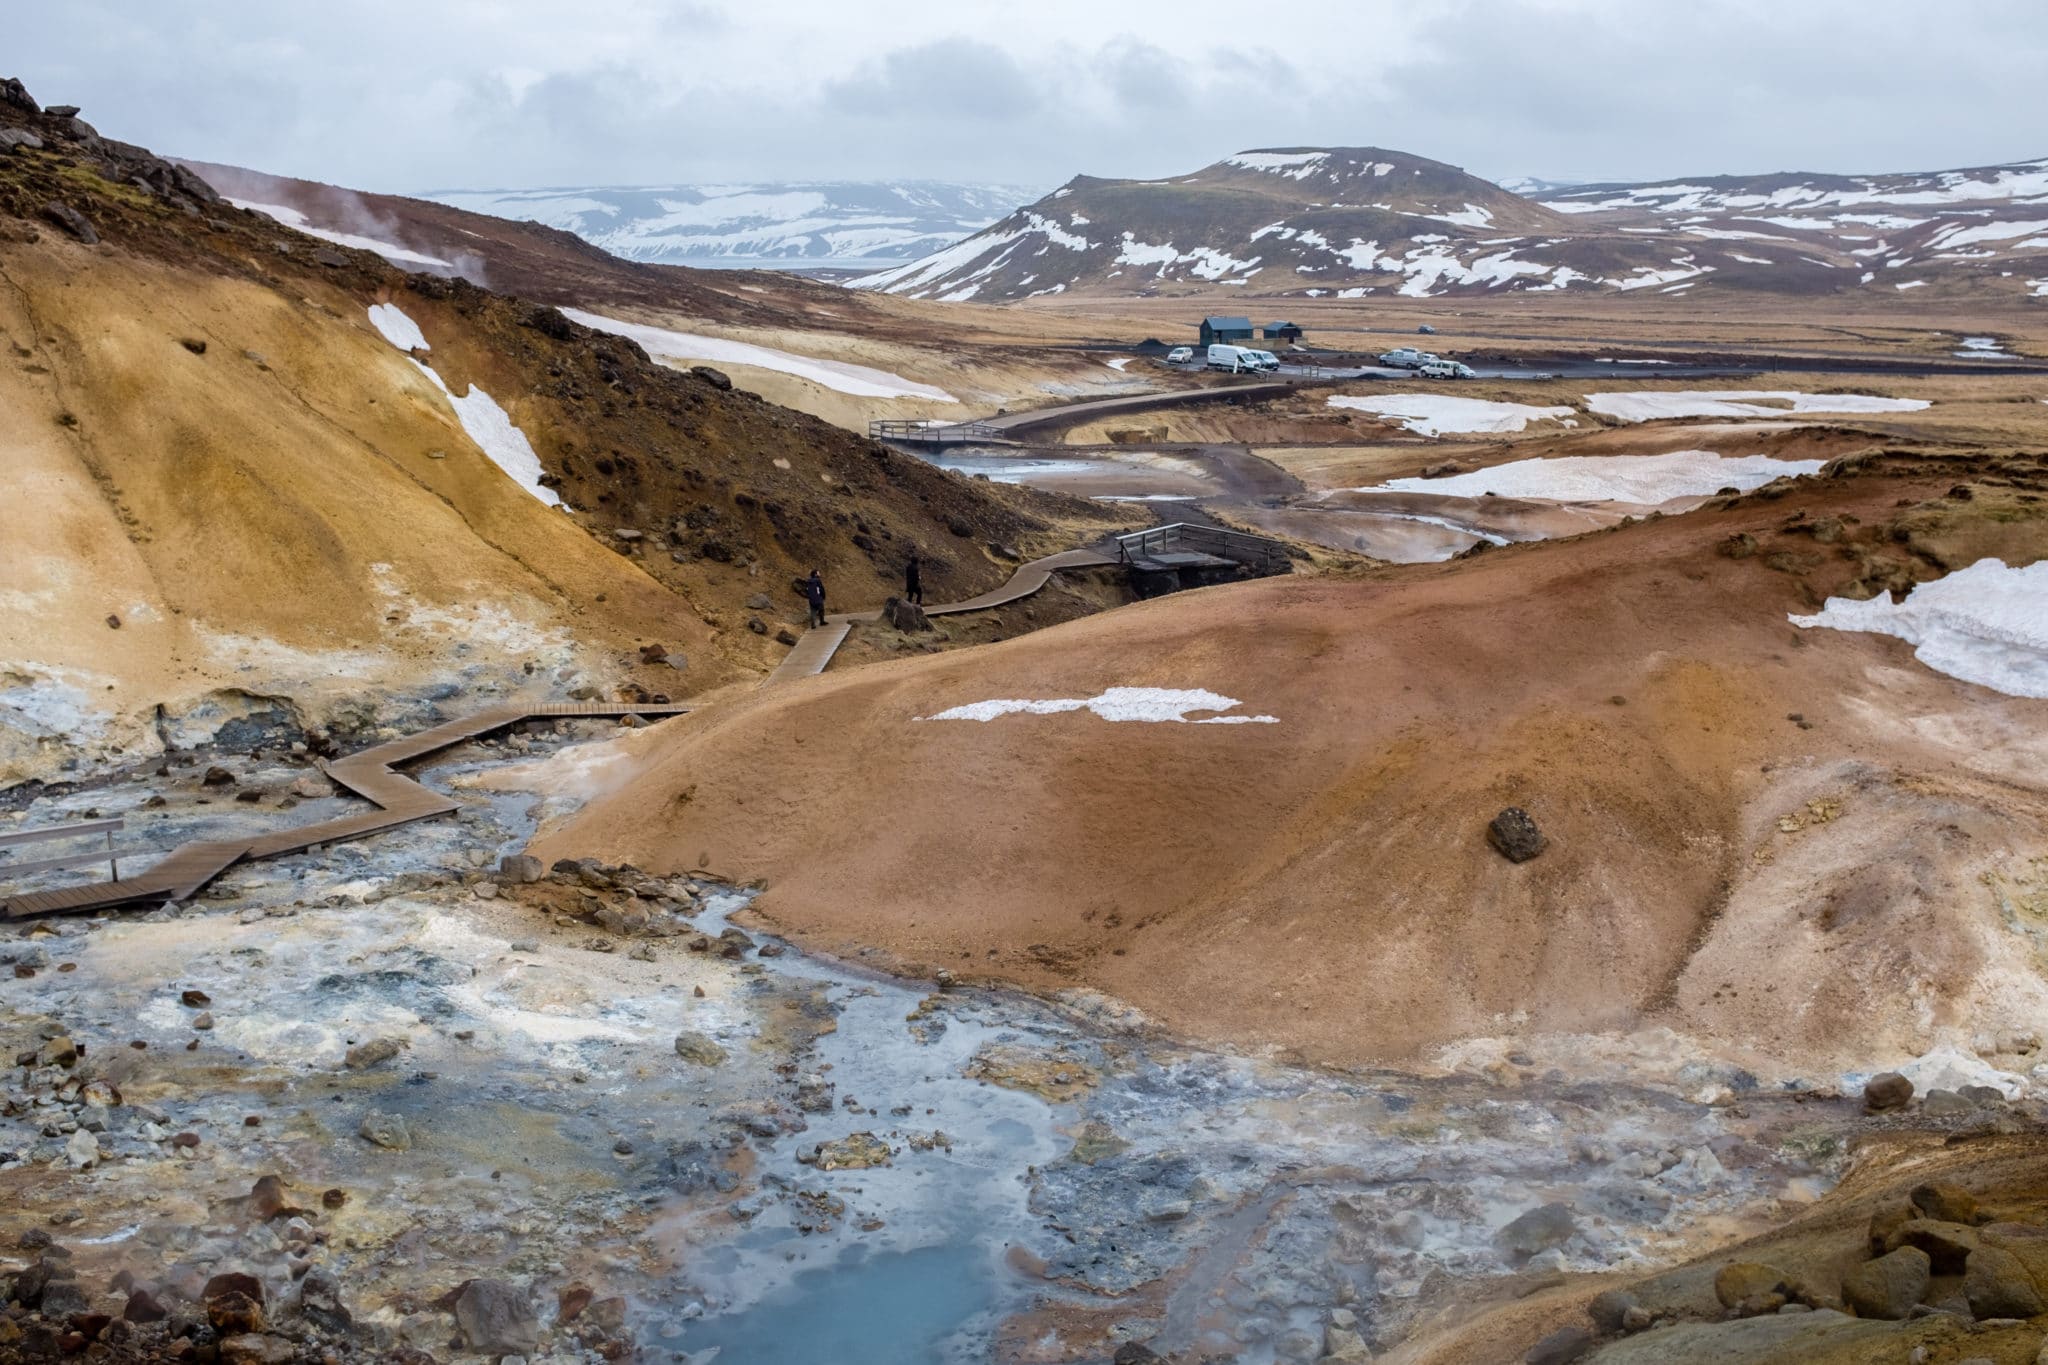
x=1325, y=883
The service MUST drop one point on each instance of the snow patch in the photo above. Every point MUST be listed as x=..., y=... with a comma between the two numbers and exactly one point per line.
x=857, y=380
x=395, y=327
x=495, y=434
x=1432, y=414
x=292, y=218
x=1644, y=479
x=1148, y=704
x=1654, y=404
x=1986, y=624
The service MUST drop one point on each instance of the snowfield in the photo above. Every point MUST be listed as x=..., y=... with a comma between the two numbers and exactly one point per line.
x=1433, y=414
x=1987, y=624
x=858, y=380
x=1652, y=405
x=1644, y=479
x=1146, y=704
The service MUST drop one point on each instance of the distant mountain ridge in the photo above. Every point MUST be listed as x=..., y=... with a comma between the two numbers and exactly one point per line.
x=849, y=225
x=1354, y=221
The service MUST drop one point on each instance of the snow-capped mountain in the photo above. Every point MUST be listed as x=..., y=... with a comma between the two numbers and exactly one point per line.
x=850, y=225
x=1354, y=221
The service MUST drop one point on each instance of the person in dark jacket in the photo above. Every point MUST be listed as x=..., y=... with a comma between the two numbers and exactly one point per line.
x=814, y=593
x=913, y=584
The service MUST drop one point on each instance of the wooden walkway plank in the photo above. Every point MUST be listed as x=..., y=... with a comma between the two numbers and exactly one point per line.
x=399, y=800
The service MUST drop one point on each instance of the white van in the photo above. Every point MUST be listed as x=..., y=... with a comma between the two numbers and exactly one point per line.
x=1445, y=369
x=1237, y=359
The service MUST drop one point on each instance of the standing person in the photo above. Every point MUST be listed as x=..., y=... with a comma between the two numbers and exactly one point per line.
x=913, y=585
x=814, y=593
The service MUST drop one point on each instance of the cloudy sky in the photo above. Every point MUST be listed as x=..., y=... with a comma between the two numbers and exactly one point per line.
x=443, y=94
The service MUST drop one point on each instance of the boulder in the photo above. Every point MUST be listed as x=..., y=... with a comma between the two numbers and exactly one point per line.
x=385, y=1130
x=1443, y=470
x=1538, y=1229
x=496, y=1318
x=1948, y=1245
x=1889, y=1286
x=698, y=1048
x=72, y=222
x=520, y=867
x=1886, y=1090
x=14, y=95
x=1741, y=1282
x=1940, y=1104
x=365, y=1055
x=1561, y=1347
x=1997, y=1285
x=717, y=379
x=1514, y=835
x=907, y=617
x=1946, y=1204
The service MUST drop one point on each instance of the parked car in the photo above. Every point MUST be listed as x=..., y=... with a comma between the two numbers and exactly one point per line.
x=1426, y=330
x=1406, y=358
x=1241, y=358
x=1180, y=355
x=1445, y=369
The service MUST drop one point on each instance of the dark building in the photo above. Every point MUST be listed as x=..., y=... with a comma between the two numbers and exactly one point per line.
x=1232, y=330
x=1282, y=331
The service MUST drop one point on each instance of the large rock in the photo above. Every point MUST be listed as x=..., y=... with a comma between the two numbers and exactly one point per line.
x=1514, y=835
x=1772, y=1340
x=1889, y=1286
x=72, y=221
x=699, y=1048
x=1744, y=1282
x=1998, y=1286
x=1609, y=1309
x=15, y=95
x=1946, y=1203
x=386, y=1130
x=905, y=616
x=1539, y=1229
x=497, y=1318
x=1886, y=1090
x=1948, y=1245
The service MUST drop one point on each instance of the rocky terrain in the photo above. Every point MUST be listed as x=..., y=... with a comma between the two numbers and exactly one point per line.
x=1355, y=222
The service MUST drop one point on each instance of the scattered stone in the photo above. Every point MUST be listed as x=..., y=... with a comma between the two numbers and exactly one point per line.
x=311, y=787
x=217, y=776
x=1539, y=1229
x=365, y=1055
x=202, y=1021
x=386, y=1130
x=717, y=379
x=234, y=1303
x=907, y=617
x=1442, y=470
x=142, y=1306
x=82, y=1152
x=59, y=1051
x=854, y=1152
x=523, y=868
x=785, y=636
x=1514, y=835
x=1889, y=1286
x=571, y=1300
x=267, y=1201
x=333, y=1199
x=496, y=1317
x=257, y=1348
x=699, y=1048
x=1945, y=1104
x=757, y=625
x=1885, y=1091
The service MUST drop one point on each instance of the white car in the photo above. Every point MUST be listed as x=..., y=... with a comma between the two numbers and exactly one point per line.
x=1445, y=369
x=1180, y=355
x=1406, y=358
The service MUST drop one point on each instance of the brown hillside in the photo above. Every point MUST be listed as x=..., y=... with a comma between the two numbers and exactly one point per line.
x=1325, y=882
x=210, y=445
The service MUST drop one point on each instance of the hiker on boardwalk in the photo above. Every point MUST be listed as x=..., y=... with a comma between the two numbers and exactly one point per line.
x=913, y=585
x=814, y=593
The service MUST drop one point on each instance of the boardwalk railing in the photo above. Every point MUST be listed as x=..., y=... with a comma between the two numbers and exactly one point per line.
x=1238, y=546
x=934, y=433
x=49, y=832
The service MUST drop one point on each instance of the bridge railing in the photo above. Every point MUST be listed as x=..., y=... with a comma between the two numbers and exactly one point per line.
x=1238, y=546
x=933, y=433
x=14, y=838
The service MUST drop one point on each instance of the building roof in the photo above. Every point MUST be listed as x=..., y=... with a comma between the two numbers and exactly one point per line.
x=1279, y=324
x=1228, y=324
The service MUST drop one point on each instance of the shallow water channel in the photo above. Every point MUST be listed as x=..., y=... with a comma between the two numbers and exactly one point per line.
x=872, y=1170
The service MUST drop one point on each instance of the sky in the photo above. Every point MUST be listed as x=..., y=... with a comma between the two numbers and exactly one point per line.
x=469, y=94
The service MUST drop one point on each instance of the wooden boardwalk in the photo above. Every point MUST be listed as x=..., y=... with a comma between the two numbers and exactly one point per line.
x=398, y=799
x=815, y=650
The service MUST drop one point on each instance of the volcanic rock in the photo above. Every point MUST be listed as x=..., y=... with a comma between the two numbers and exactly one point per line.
x=1997, y=1285
x=905, y=616
x=1514, y=835
x=1539, y=1229
x=1946, y=1203
x=496, y=1318
x=699, y=1048
x=1561, y=1347
x=72, y=221
x=1886, y=1090
x=385, y=1130
x=1889, y=1286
